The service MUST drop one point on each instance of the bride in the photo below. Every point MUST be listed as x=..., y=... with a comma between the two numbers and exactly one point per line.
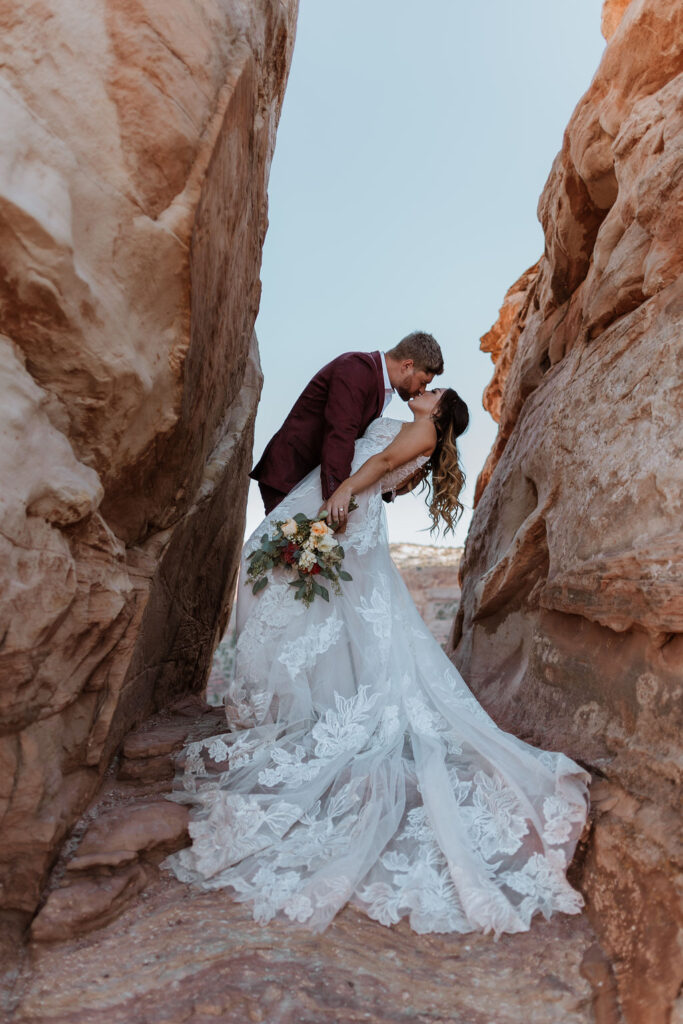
x=357, y=766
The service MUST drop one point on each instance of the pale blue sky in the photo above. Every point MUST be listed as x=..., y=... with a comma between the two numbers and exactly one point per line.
x=414, y=142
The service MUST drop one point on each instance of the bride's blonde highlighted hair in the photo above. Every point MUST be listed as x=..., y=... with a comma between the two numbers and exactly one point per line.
x=451, y=418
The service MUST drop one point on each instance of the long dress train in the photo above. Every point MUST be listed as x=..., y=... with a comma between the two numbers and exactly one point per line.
x=359, y=767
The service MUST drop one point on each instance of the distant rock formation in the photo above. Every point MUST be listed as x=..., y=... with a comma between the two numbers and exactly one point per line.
x=431, y=576
x=133, y=174
x=570, y=628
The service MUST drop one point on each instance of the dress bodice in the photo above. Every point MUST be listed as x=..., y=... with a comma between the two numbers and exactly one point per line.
x=382, y=432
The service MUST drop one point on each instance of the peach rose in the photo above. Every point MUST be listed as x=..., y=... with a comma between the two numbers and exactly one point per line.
x=289, y=528
x=318, y=529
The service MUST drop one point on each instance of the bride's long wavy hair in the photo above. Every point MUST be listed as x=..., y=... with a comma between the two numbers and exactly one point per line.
x=451, y=418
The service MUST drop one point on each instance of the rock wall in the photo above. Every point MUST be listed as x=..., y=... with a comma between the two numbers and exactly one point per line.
x=138, y=139
x=570, y=627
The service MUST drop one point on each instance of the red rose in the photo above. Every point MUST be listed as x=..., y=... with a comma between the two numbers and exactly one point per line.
x=315, y=569
x=289, y=552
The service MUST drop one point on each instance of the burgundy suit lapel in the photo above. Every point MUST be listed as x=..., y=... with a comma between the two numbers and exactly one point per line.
x=377, y=358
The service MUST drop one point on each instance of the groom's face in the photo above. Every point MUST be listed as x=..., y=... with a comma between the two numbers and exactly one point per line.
x=412, y=382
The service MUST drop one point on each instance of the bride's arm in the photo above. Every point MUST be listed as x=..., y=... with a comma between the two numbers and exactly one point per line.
x=412, y=440
x=411, y=482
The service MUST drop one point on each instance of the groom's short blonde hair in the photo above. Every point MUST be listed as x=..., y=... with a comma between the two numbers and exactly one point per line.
x=422, y=348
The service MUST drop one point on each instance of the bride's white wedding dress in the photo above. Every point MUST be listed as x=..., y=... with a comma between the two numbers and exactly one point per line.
x=361, y=768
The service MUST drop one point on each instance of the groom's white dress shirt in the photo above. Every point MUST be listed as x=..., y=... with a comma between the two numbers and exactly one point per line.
x=388, y=390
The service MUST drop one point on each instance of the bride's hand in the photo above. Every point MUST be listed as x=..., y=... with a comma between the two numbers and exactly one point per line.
x=337, y=506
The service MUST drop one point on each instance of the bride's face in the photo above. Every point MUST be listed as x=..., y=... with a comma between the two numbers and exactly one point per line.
x=425, y=404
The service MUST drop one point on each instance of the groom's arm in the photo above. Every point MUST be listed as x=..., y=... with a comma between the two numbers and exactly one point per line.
x=349, y=391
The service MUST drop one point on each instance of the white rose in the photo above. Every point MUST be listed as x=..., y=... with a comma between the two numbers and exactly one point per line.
x=327, y=542
x=289, y=528
x=307, y=560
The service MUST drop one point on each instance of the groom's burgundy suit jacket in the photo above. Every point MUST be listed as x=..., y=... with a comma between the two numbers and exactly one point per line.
x=332, y=411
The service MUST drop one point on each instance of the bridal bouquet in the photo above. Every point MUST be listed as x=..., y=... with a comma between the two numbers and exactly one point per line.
x=309, y=548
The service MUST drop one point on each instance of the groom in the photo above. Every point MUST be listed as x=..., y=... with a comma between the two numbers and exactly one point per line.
x=334, y=410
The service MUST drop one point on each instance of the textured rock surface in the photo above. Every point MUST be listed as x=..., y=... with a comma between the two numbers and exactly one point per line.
x=176, y=955
x=138, y=139
x=128, y=828
x=570, y=628
x=181, y=956
x=612, y=13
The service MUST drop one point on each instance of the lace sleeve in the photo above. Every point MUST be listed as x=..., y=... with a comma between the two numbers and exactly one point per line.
x=394, y=480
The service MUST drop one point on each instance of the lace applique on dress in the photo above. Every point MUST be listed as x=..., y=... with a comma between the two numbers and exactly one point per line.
x=494, y=821
x=398, y=477
x=368, y=530
x=302, y=652
x=375, y=610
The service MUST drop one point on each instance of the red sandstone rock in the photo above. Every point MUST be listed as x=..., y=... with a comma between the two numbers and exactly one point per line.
x=128, y=821
x=180, y=956
x=138, y=141
x=148, y=752
x=159, y=825
x=147, y=769
x=153, y=742
x=87, y=903
x=132, y=213
x=571, y=620
x=612, y=13
x=501, y=340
